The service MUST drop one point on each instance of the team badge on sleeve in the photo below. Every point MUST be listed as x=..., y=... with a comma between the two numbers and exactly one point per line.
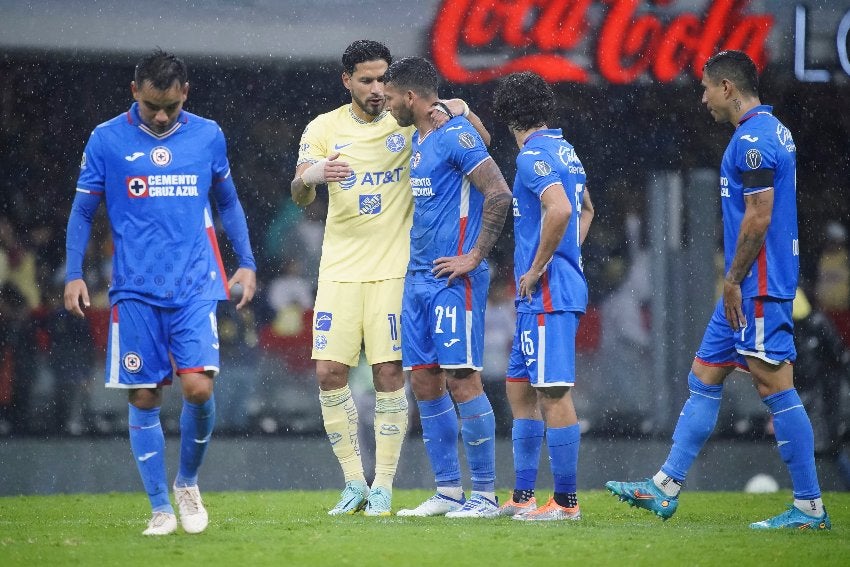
x=542, y=168
x=161, y=156
x=83, y=161
x=753, y=158
x=466, y=140
x=323, y=321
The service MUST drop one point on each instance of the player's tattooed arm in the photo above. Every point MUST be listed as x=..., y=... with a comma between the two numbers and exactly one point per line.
x=751, y=235
x=497, y=200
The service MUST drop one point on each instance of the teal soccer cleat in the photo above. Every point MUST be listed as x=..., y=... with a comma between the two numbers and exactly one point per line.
x=353, y=498
x=646, y=495
x=379, y=503
x=793, y=518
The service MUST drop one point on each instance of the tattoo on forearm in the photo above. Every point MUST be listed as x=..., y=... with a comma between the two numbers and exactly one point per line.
x=748, y=247
x=497, y=200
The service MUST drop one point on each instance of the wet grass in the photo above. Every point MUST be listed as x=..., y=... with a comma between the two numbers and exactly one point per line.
x=293, y=528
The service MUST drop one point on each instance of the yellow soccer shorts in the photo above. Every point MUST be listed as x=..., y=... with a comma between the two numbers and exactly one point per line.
x=349, y=316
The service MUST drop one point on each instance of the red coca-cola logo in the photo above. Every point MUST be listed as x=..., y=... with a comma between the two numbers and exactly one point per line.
x=617, y=41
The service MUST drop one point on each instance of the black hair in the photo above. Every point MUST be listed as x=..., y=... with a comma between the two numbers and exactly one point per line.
x=364, y=50
x=735, y=66
x=161, y=69
x=524, y=101
x=416, y=74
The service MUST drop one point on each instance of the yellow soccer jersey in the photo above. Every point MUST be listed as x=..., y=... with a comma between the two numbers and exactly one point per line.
x=367, y=234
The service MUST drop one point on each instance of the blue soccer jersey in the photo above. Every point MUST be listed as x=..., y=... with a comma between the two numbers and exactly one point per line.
x=761, y=155
x=447, y=207
x=157, y=189
x=547, y=159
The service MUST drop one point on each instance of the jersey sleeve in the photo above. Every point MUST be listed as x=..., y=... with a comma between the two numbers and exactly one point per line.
x=462, y=145
x=536, y=171
x=229, y=208
x=755, y=158
x=92, y=166
x=313, y=144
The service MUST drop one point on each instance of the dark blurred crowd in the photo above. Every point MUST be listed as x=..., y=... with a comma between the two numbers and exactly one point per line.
x=51, y=364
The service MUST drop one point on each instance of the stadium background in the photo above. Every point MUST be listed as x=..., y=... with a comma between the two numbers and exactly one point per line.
x=262, y=69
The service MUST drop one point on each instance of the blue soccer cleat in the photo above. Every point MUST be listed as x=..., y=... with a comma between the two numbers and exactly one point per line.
x=646, y=495
x=793, y=518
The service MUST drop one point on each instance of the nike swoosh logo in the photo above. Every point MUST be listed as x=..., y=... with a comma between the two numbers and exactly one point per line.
x=340, y=146
x=135, y=156
x=451, y=342
x=479, y=441
x=453, y=128
x=396, y=348
x=147, y=456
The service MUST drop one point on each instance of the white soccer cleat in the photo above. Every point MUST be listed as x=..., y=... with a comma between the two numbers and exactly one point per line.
x=193, y=515
x=161, y=523
x=437, y=505
x=478, y=506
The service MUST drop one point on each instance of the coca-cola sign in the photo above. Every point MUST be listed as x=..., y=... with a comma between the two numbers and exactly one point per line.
x=614, y=41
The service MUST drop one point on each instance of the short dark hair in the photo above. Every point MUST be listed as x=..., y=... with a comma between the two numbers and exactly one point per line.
x=161, y=69
x=735, y=66
x=414, y=73
x=524, y=101
x=364, y=50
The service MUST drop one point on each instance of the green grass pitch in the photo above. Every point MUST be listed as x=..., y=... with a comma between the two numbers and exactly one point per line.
x=293, y=528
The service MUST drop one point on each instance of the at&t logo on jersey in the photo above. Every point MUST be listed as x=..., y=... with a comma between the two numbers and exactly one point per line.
x=370, y=204
x=162, y=186
x=396, y=142
x=160, y=156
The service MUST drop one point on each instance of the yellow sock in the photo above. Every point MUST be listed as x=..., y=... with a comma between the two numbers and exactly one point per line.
x=390, y=429
x=340, y=416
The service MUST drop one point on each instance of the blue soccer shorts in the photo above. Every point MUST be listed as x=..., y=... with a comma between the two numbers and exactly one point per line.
x=144, y=338
x=769, y=335
x=544, y=349
x=443, y=326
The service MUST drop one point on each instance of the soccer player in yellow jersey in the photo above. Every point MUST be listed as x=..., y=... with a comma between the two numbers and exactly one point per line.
x=363, y=155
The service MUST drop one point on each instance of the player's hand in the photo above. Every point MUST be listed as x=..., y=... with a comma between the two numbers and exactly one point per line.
x=456, y=266
x=438, y=115
x=732, y=304
x=247, y=280
x=326, y=169
x=528, y=283
x=75, y=292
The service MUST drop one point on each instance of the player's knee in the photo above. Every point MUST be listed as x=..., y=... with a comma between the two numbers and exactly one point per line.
x=554, y=393
x=388, y=376
x=331, y=375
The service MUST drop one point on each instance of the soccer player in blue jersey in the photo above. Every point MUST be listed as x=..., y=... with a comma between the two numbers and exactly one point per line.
x=552, y=214
x=156, y=167
x=460, y=204
x=751, y=327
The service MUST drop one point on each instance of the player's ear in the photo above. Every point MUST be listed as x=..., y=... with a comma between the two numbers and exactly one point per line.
x=185, y=90
x=346, y=80
x=134, y=90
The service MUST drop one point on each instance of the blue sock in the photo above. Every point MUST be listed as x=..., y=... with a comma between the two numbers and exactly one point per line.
x=196, y=426
x=527, y=437
x=563, y=443
x=478, y=430
x=439, y=432
x=695, y=425
x=148, y=446
x=796, y=442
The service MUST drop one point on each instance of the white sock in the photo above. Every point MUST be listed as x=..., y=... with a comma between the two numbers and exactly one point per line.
x=666, y=484
x=453, y=492
x=812, y=507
